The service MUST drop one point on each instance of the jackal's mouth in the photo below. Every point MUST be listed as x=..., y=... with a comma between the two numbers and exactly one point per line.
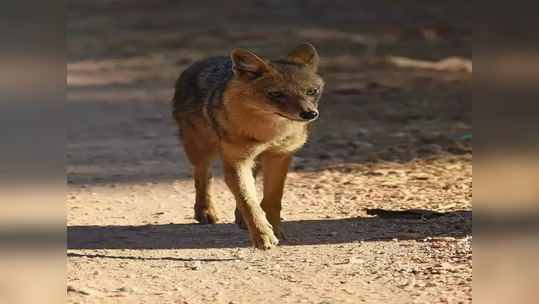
x=293, y=119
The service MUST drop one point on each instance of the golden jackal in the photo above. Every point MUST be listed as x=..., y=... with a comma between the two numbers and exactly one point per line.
x=255, y=114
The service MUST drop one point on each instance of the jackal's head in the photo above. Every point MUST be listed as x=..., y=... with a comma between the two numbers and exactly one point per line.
x=289, y=88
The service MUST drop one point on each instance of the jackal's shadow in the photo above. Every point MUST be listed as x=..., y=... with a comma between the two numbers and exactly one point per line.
x=312, y=232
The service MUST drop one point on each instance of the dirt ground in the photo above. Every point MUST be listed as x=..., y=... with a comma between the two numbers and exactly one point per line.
x=388, y=137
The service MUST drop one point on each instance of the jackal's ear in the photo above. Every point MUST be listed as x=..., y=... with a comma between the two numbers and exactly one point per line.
x=247, y=64
x=304, y=54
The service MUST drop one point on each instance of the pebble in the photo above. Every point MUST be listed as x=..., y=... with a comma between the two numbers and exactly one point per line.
x=127, y=289
x=355, y=260
x=364, y=144
x=73, y=289
x=194, y=265
x=324, y=156
x=443, y=239
x=444, y=265
x=409, y=285
x=430, y=149
x=150, y=135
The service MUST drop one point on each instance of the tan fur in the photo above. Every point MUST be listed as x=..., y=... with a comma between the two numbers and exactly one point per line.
x=251, y=131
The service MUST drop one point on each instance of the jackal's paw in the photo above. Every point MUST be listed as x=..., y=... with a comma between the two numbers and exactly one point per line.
x=206, y=215
x=262, y=235
x=239, y=219
x=263, y=238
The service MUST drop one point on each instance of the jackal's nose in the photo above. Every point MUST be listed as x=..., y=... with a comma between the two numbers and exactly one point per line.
x=308, y=115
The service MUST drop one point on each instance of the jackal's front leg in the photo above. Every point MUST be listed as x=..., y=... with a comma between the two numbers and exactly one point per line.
x=274, y=169
x=240, y=180
x=257, y=166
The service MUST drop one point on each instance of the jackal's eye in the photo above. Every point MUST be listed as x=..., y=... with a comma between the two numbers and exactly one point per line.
x=275, y=94
x=312, y=92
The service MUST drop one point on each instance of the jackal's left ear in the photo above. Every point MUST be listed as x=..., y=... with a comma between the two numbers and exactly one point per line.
x=305, y=54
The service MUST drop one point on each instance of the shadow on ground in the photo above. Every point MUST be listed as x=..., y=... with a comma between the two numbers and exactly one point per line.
x=310, y=232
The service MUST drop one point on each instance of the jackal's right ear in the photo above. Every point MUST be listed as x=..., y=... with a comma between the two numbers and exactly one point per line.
x=247, y=64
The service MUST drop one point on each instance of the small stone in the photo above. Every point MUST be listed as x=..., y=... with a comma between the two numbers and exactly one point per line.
x=445, y=300
x=127, y=289
x=444, y=265
x=430, y=149
x=443, y=239
x=150, y=135
x=96, y=272
x=364, y=144
x=194, y=265
x=324, y=156
x=355, y=260
x=334, y=233
x=394, y=239
x=409, y=285
x=73, y=289
x=438, y=245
